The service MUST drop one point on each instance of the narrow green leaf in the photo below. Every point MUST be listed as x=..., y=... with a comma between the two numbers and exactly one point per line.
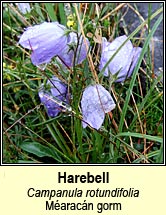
x=150, y=155
x=142, y=105
x=38, y=10
x=62, y=13
x=138, y=135
x=160, y=155
x=50, y=11
x=26, y=161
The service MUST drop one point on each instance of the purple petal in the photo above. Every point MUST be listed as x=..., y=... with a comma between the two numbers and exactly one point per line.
x=121, y=61
x=51, y=98
x=53, y=112
x=94, y=119
x=95, y=102
x=47, y=52
x=68, y=53
x=52, y=108
x=136, y=53
x=41, y=33
x=58, y=88
x=45, y=40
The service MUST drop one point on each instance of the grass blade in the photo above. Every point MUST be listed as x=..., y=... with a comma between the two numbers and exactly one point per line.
x=51, y=11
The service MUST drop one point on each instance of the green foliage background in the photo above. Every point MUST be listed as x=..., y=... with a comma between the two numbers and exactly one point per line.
x=132, y=133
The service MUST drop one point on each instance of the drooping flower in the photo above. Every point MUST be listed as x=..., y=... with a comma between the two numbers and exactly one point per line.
x=75, y=48
x=51, y=39
x=124, y=61
x=46, y=40
x=53, y=95
x=95, y=102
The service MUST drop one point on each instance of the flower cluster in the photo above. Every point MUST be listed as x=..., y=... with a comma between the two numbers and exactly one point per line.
x=49, y=40
x=96, y=100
